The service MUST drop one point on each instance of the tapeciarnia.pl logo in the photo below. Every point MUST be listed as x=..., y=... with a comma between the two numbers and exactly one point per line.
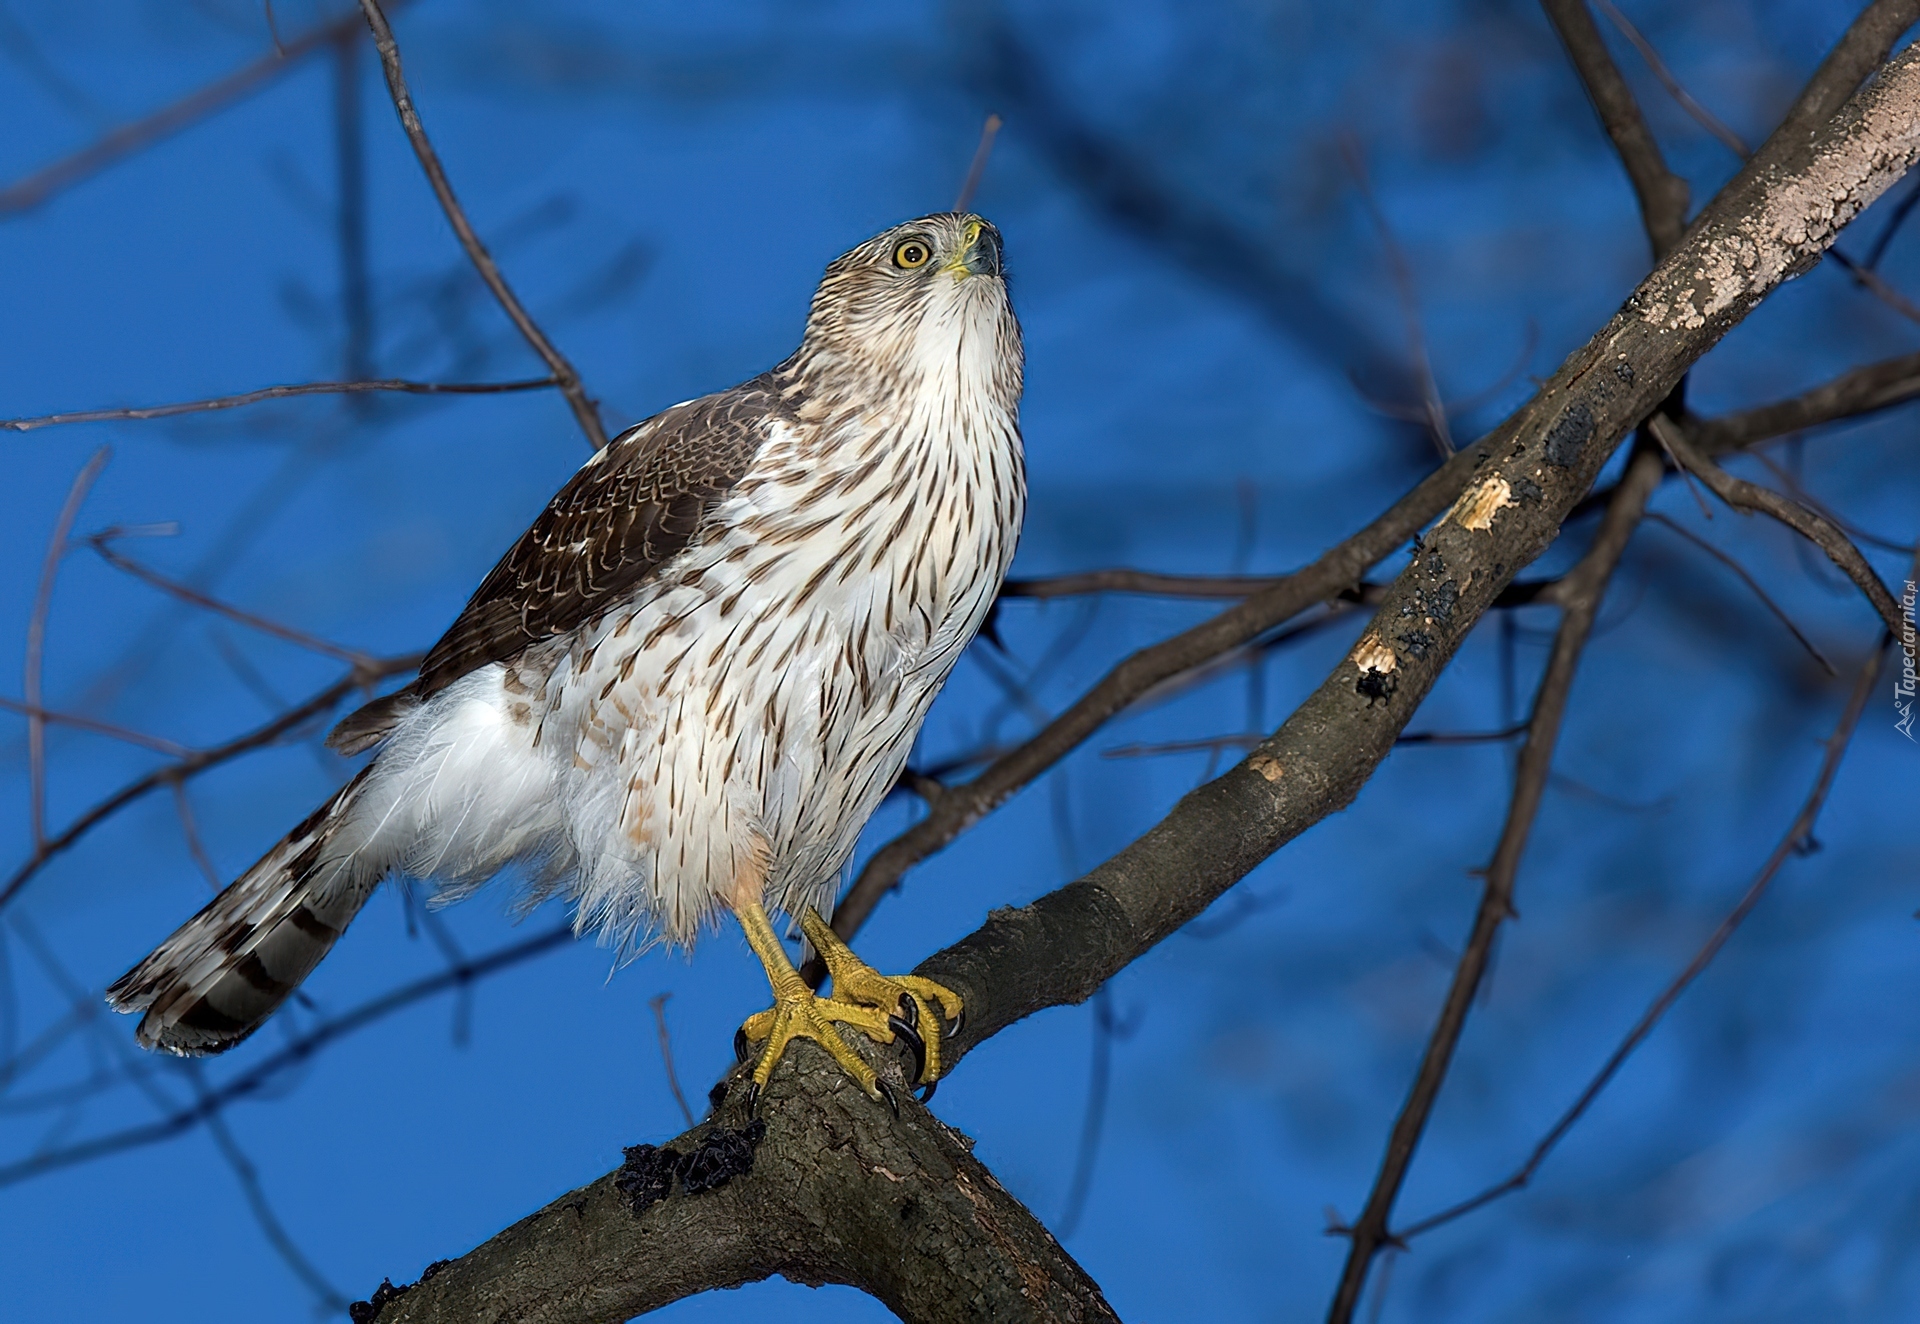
x=1903, y=683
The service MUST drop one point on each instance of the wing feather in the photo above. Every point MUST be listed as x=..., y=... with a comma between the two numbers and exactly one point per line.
x=622, y=516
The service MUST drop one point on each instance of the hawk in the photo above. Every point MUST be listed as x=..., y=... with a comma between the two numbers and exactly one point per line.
x=693, y=679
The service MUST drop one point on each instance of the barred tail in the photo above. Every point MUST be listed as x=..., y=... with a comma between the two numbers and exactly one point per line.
x=228, y=968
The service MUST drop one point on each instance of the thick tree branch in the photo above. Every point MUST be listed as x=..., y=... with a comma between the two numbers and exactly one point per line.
x=838, y=1191
x=584, y=409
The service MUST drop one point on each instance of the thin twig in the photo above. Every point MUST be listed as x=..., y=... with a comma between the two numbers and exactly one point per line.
x=190, y=829
x=1705, y=118
x=273, y=30
x=1120, y=579
x=101, y=543
x=124, y=141
x=988, y=132
x=1249, y=739
x=1099, y=1082
x=1336, y=570
x=350, y=211
x=1892, y=227
x=1434, y=410
x=1581, y=604
x=1861, y=391
x=1752, y=583
x=37, y=640
x=54, y=717
x=275, y=393
x=298, y=1051
x=325, y=1293
x=198, y=761
x=1686, y=476
x=1798, y=834
x=1798, y=491
x=584, y=410
x=659, y=1004
x=1661, y=193
x=1873, y=283
x=1816, y=528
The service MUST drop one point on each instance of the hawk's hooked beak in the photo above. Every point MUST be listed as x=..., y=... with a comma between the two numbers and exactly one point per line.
x=980, y=256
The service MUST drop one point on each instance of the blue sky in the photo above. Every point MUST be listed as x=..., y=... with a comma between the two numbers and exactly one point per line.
x=663, y=185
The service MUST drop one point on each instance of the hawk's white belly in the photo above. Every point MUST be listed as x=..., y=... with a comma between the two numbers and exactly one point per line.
x=748, y=709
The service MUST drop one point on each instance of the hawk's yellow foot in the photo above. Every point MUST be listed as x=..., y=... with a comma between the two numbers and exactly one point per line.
x=931, y=1011
x=798, y=1013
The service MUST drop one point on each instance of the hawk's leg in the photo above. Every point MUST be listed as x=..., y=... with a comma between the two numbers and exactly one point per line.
x=797, y=1013
x=928, y=1007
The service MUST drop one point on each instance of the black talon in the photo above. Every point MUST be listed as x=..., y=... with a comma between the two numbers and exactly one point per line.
x=886, y=1092
x=926, y=1091
x=742, y=1048
x=910, y=1010
x=903, y=1030
x=753, y=1098
x=959, y=1019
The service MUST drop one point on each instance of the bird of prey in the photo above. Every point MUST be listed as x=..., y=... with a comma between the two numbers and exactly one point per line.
x=688, y=685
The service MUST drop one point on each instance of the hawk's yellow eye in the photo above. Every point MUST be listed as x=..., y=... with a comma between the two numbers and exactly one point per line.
x=911, y=253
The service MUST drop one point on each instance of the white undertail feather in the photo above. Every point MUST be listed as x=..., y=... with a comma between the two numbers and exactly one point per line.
x=741, y=712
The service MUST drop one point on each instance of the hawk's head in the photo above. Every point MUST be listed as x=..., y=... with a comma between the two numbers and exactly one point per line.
x=919, y=308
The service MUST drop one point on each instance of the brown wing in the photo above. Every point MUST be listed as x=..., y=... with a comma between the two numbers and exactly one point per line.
x=617, y=520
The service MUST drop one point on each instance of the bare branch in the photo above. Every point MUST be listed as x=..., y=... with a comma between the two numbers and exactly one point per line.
x=1338, y=569
x=1814, y=527
x=1862, y=391
x=37, y=640
x=1799, y=833
x=1705, y=118
x=826, y=1147
x=1586, y=586
x=1662, y=194
x=299, y=1050
x=275, y=393
x=917, y=1222
x=988, y=132
x=1060, y=948
x=659, y=1004
x=159, y=744
x=120, y=143
x=584, y=409
x=1752, y=584
x=102, y=543
x=198, y=761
